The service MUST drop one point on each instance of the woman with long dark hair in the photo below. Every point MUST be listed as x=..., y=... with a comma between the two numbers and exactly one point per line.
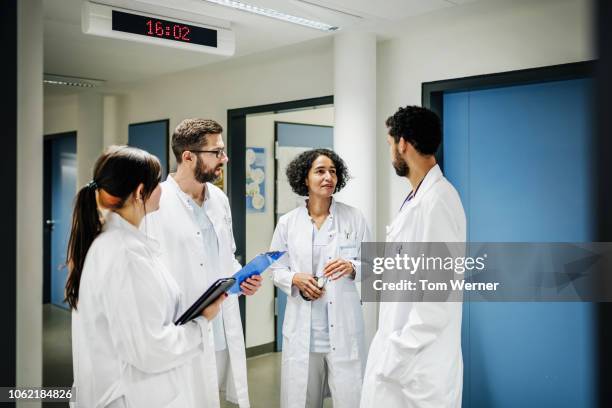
x=127, y=352
x=323, y=329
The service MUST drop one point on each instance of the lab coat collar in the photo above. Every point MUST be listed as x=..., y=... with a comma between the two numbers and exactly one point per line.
x=113, y=221
x=332, y=208
x=186, y=198
x=432, y=177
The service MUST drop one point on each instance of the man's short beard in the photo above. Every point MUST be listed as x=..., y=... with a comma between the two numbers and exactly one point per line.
x=400, y=166
x=204, y=175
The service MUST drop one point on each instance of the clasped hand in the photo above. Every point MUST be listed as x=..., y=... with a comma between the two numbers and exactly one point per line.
x=338, y=268
x=334, y=270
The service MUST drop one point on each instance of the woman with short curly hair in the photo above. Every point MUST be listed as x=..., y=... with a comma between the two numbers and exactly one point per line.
x=323, y=329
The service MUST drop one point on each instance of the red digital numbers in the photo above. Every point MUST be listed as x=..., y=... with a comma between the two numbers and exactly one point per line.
x=185, y=36
x=178, y=32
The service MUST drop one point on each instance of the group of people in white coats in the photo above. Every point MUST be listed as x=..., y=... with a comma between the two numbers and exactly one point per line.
x=142, y=251
x=139, y=254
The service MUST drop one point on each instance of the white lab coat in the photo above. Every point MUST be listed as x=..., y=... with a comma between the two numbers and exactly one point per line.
x=415, y=357
x=175, y=227
x=346, y=326
x=126, y=349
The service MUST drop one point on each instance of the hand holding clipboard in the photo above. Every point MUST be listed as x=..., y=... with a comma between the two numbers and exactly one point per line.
x=215, y=294
x=232, y=285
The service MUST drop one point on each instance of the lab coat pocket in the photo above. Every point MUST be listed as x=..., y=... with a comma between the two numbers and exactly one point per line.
x=156, y=391
x=348, y=247
x=349, y=253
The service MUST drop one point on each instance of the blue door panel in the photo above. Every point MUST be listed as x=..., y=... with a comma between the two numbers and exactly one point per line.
x=63, y=191
x=152, y=137
x=520, y=159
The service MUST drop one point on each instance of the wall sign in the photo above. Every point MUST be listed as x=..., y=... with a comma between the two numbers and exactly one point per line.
x=256, y=179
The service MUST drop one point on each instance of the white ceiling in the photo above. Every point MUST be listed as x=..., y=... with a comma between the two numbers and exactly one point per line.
x=70, y=52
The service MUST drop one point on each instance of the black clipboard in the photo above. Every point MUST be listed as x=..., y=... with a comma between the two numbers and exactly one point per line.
x=212, y=293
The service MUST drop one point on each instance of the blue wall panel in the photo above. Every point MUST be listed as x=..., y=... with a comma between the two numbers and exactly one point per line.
x=521, y=158
x=304, y=135
x=152, y=137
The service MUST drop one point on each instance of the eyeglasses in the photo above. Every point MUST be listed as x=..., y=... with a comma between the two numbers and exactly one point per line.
x=218, y=153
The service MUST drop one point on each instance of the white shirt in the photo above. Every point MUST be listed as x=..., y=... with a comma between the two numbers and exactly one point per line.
x=211, y=249
x=319, y=324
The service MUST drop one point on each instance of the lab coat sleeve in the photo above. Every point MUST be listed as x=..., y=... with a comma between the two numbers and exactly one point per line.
x=363, y=235
x=282, y=275
x=137, y=318
x=427, y=320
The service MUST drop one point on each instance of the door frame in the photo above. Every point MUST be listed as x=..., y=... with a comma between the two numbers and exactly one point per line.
x=432, y=98
x=47, y=198
x=236, y=172
x=432, y=92
x=8, y=207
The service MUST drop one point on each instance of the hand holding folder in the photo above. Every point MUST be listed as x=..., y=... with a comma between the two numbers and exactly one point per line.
x=256, y=267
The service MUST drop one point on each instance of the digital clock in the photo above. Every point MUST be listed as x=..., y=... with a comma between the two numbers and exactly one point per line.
x=201, y=34
x=166, y=29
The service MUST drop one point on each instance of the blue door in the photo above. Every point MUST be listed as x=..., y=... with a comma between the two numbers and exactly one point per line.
x=520, y=157
x=295, y=137
x=152, y=137
x=60, y=180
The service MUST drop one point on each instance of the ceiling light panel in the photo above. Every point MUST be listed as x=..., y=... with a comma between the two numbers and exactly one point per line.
x=278, y=15
x=62, y=80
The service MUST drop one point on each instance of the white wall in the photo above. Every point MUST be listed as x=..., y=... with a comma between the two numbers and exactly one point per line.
x=480, y=38
x=90, y=137
x=89, y=114
x=114, y=119
x=29, y=190
x=60, y=112
x=260, y=226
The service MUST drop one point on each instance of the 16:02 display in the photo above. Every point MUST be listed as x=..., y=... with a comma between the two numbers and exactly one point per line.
x=176, y=31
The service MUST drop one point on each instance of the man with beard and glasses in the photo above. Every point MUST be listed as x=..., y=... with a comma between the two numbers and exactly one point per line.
x=194, y=228
x=415, y=357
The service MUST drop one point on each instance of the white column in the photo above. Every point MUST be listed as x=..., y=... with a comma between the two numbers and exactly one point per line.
x=355, y=117
x=90, y=141
x=114, y=125
x=29, y=193
x=355, y=135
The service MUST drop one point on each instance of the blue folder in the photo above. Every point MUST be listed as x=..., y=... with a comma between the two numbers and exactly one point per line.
x=256, y=267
